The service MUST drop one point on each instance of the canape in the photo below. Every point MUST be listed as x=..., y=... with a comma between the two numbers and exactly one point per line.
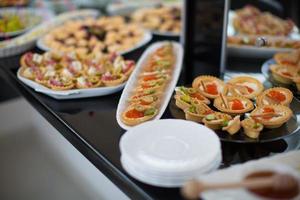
x=197, y=112
x=272, y=116
x=283, y=74
x=246, y=86
x=193, y=93
x=84, y=82
x=233, y=105
x=233, y=126
x=60, y=83
x=276, y=95
x=288, y=58
x=110, y=79
x=211, y=87
x=136, y=114
x=252, y=128
x=148, y=100
x=216, y=120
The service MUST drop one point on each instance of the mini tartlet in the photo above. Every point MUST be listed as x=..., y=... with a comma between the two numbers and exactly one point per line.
x=111, y=80
x=233, y=126
x=288, y=58
x=276, y=95
x=246, y=86
x=216, y=120
x=272, y=116
x=84, y=82
x=251, y=127
x=210, y=86
x=197, y=112
x=283, y=74
x=192, y=93
x=233, y=105
x=60, y=83
x=148, y=100
x=136, y=114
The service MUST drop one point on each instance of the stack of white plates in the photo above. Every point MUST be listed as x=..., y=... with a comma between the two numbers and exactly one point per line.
x=169, y=152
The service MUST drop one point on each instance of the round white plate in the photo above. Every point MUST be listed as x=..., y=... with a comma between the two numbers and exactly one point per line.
x=127, y=92
x=70, y=94
x=170, y=145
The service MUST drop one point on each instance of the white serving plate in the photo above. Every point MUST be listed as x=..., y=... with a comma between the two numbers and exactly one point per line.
x=70, y=94
x=45, y=15
x=147, y=37
x=27, y=40
x=163, y=153
x=127, y=92
x=253, y=51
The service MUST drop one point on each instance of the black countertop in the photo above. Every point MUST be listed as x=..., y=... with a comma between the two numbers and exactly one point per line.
x=90, y=126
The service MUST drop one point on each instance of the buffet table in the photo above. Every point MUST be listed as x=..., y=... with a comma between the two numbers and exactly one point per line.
x=90, y=126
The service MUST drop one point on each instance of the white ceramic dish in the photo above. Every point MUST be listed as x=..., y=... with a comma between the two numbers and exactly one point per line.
x=163, y=153
x=253, y=51
x=127, y=92
x=44, y=15
x=70, y=94
x=147, y=37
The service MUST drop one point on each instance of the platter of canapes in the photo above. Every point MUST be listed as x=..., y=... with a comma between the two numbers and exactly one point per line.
x=284, y=70
x=150, y=87
x=90, y=35
x=239, y=110
x=69, y=76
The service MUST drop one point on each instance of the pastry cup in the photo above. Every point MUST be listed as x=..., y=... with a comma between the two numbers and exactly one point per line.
x=148, y=100
x=201, y=110
x=276, y=121
x=218, y=122
x=263, y=99
x=287, y=58
x=134, y=121
x=180, y=103
x=244, y=82
x=27, y=72
x=67, y=85
x=251, y=128
x=277, y=73
x=114, y=82
x=128, y=73
x=233, y=126
x=138, y=95
x=197, y=84
x=248, y=105
x=192, y=92
x=93, y=83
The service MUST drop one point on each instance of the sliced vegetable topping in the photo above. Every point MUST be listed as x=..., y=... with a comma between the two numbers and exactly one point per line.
x=150, y=111
x=210, y=117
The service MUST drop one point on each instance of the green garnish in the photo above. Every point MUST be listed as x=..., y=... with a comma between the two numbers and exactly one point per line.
x=150, y=92
x=150, y=111
x=225, y=123
x=192, y=109
x=163, y=63
x=256, y=125
x=210, y=117
x=186, y=98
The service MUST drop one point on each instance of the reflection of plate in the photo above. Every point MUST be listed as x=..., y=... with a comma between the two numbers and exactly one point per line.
x=32, y=17
x=147, y=37
x=71, y=94
x=267, y=135
x=253, y=51
x=265, y=70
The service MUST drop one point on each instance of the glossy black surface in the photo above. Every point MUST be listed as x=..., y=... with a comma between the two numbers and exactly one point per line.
x=90, y=125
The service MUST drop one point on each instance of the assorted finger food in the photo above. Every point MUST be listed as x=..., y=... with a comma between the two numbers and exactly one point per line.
x=165, y=19
x=62, y=71
x=85, y=36
x=286, y=70
x=234, y=104
x=146, y=96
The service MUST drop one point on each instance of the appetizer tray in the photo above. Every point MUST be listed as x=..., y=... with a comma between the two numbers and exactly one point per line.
x=99, y=37
x=168, y=90
x=267, y=135
x=70, y=94
x=265, y=70
x=253, y=51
